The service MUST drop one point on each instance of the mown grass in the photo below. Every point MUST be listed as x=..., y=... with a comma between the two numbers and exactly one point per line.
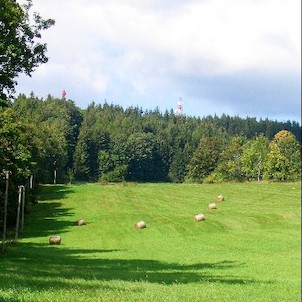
x=246, y=250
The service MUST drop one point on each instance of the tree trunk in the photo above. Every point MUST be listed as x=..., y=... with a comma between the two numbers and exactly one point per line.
x=259, y=169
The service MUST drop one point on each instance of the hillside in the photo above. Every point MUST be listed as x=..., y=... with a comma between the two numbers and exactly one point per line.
x=248, y=249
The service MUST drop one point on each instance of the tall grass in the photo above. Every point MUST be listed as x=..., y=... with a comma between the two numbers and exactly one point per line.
x=246, y=250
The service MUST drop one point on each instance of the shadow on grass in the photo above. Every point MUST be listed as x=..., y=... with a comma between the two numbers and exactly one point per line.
x=55, y=267
x=48, y=215
x=51, y=192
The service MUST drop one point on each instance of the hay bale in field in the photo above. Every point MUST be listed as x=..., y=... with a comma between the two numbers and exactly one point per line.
x=219, y=198
x=140, y=225
x=199, y=217
x=80, y=222
x=212, y=206
x=55, y=239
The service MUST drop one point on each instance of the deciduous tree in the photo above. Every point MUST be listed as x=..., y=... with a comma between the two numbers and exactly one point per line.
x=20, y=51
x=230, y=166
x=254, y=157
x=204, y=159
x=283, y=160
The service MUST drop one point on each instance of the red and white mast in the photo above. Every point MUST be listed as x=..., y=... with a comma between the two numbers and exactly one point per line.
x=64, y=94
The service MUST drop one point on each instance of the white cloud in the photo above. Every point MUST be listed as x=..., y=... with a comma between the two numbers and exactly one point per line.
x=233, y=35
x=144, y=47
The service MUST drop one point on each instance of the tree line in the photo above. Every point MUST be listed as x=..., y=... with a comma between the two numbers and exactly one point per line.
x=53, y=141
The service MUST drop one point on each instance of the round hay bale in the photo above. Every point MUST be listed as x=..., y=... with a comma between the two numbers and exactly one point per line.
x=219, y=198
x=55, y=240
x=80, y=222
x=199, y=217
x=140, y=225
x=212, y=206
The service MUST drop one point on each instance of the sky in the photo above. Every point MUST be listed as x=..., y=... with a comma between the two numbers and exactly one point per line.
x=237, y=57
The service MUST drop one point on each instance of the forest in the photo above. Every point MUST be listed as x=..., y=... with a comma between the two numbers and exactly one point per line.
x=53, y=141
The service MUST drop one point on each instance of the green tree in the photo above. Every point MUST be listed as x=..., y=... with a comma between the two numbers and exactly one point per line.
x=54, y=125
x=14, y=149
x=254, y=156
x=177, y=169
x=15, y=157
x=105, y=162
x=53, y=159
x=19, y=50
x=204, y=159
x=91, y=141
x=283, y=160
x=81, y=163
x=229, y=167
x=144, y=161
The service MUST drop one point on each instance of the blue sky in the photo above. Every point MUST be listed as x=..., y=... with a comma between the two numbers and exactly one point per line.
x=234, y=57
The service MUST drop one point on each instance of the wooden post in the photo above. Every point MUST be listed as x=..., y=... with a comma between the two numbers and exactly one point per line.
x=23, y=208
x=31, y=180
x=5, y=212
x=55, y=173
x=18, y=213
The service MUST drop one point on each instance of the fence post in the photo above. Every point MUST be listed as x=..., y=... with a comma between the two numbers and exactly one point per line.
x=5, y=212
x=18, y=213
x=31, y=180
x=23, y=208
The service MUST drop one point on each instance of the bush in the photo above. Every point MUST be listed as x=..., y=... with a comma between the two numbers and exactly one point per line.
x=214, y=177
x=117, y=175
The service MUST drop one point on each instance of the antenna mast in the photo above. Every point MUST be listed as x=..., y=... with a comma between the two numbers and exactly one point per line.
x=179, y=107
x=64, y=94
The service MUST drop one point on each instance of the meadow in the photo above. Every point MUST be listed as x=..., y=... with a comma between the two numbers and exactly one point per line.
x=248, y=249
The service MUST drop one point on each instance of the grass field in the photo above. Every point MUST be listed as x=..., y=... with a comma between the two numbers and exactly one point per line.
x=246, y=250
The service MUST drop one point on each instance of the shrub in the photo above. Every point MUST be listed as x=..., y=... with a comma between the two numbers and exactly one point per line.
x=117, y=175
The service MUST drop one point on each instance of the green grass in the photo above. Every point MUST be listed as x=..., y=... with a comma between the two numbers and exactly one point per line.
x=246, y=250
